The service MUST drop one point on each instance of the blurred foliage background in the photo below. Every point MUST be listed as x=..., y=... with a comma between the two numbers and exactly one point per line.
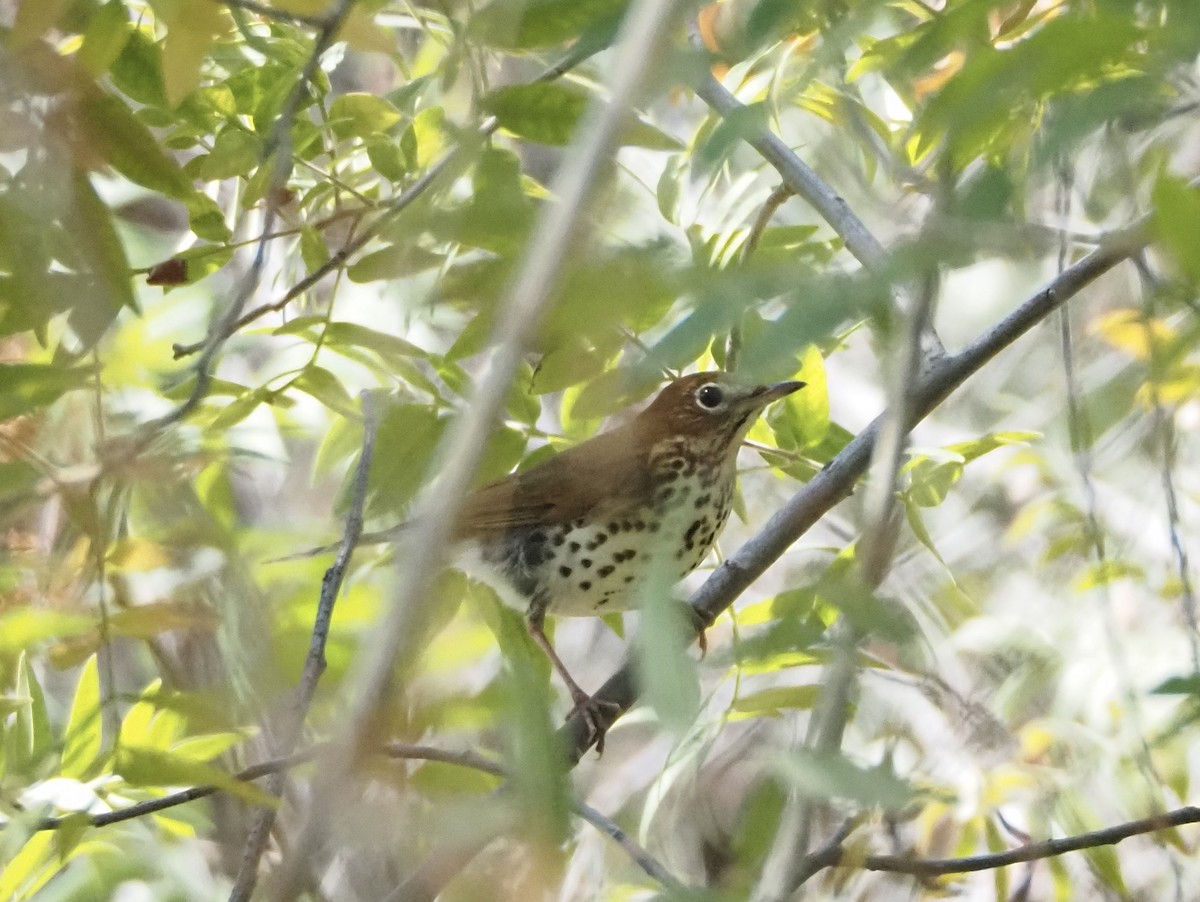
x=1032, y=665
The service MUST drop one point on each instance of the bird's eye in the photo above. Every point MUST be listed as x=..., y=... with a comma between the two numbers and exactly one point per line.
x=710, y=396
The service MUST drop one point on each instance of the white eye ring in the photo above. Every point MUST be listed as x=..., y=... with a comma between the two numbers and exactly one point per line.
x=710, y=397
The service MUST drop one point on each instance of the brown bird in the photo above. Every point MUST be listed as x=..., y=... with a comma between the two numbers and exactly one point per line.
x=578, y=534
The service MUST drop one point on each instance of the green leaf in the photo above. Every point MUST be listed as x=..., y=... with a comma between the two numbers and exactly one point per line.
x=985, y=444
x=238, y=409
x=23, y=627
x=393, y=262
x=1102, y=573
x=28, y=386
x=916, y=523
x=83, y=737
x=362, y=115
x=88, y=222
x=137, y=72
x=388, y=158
x=27, y=737
x=112, y=132
x=30, y=868
x=207, y=222
x=206, y=747
x=409, y=433
x=108, y=30
x=191, y=29
x=667, y=672
x=341, y=334
x=141, y=766
x=931, y=476
x=802, y=420
x=325, y=387
x=776, y=699
x=833, y=776
x=1176, y=223
x=548, y=112
x=533, y=24
x=235, y=153
x=1063, y=53
x=1178, y=685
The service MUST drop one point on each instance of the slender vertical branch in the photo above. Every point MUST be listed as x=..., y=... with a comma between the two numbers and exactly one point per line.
x=1165, y=432
x=288, y=734
x=766, y=213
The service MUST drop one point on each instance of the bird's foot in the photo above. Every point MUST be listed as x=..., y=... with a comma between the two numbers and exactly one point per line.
x=700, y=623
x=596, y=713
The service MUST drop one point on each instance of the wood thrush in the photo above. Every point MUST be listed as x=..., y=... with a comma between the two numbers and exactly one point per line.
x=580, y=533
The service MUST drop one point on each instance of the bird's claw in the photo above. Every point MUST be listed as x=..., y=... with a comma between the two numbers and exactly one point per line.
x=700, y=623
x=597, y=714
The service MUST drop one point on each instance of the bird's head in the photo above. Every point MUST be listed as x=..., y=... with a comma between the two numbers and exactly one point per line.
x=715, y=408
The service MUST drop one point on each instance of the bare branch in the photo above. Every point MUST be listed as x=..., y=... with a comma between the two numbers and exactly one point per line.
x=314, y=662
x=1051, y=848
x=800, y=177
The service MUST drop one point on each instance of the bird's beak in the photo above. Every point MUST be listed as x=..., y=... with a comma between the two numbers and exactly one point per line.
x=765, y=394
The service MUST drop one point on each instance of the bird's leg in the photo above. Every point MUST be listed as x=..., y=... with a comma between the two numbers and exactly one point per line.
x=589, y=708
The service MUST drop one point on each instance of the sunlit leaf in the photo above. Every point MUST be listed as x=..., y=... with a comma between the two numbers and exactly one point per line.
x=81, y=745
x=1101, y=573
x=362, y=115
x=108, y=30
x=779, y=698
x=142, y=766
x=1176, y=216
x=325, y=387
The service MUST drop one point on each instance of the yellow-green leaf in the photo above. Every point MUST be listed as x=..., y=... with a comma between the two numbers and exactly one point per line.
x=82, y=743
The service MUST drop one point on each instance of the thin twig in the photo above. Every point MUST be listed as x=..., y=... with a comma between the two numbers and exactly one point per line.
x=1164, y=427
x=805, y=182
x=174, y=799
x=389, y=211
x=799, y=176
x=399, y=750
x=276, y=149
x=1051, y=848
x=826, y=856
x=314, y=662
x=766, y=213
x=559, y=226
